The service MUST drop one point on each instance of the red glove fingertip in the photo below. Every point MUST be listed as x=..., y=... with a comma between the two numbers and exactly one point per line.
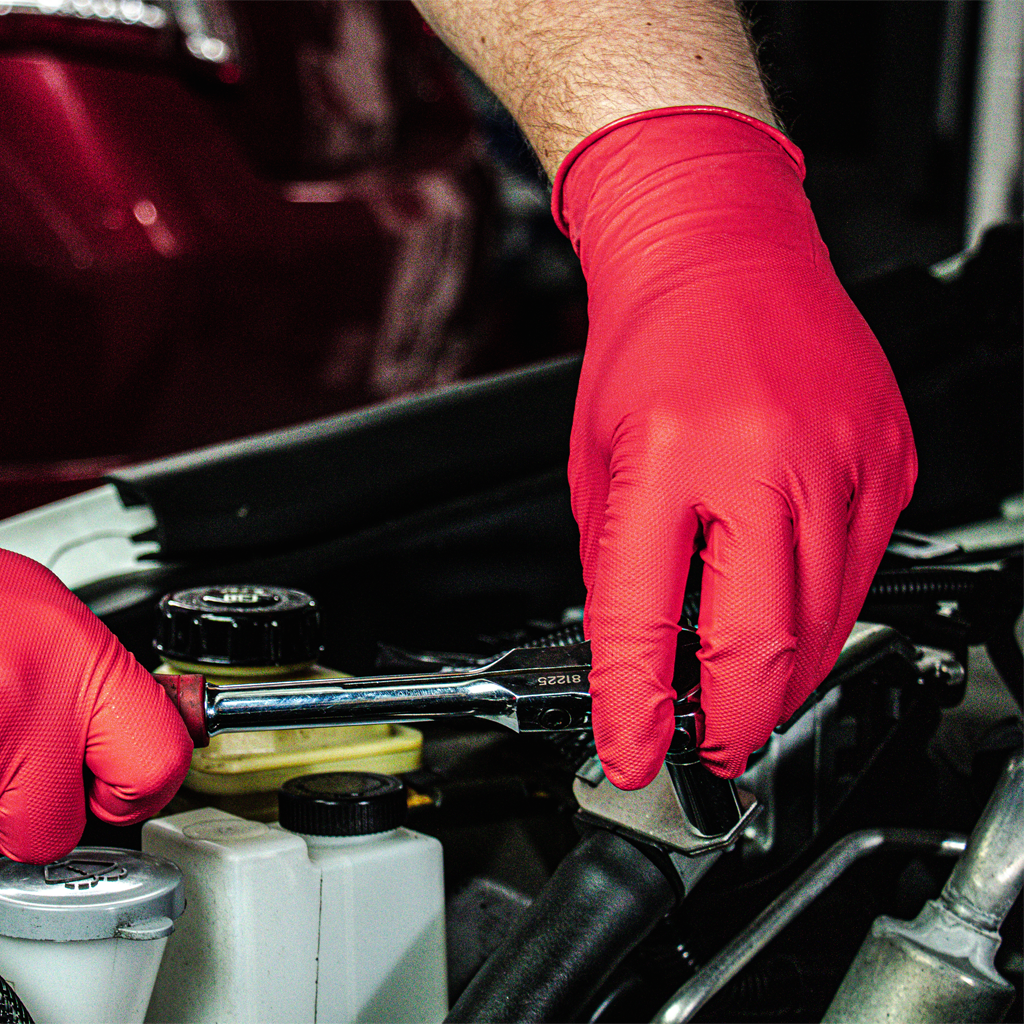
x=632, y=745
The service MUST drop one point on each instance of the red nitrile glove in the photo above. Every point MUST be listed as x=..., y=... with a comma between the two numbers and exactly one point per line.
x=70, y=694
x=729, y=387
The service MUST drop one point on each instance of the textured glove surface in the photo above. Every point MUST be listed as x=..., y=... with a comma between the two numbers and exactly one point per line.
x=730, y=391
x=70, y=694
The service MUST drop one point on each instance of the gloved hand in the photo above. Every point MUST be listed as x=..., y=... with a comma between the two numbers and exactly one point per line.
x=731, y=391
x=71, y=694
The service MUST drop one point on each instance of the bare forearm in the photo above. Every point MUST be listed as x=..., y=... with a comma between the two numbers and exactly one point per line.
x=564, y=68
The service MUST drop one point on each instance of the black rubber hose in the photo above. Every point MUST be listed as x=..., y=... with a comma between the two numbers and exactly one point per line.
x=933, y=583
x=603, y=899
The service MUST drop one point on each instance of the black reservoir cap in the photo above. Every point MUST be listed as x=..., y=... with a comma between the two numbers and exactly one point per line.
x=342, y=804
x=238, y=625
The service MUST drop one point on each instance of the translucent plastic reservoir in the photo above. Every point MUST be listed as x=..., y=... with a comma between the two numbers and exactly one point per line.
x=300, y=928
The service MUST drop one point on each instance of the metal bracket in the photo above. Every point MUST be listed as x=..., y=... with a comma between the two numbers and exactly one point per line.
x=654, y=814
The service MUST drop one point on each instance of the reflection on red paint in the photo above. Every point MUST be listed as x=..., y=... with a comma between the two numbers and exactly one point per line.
x=145, y=212
x=165, y=285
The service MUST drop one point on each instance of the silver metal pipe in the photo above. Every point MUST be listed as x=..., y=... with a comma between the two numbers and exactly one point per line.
x=990, y=874
x=940, y=967
x=723, y=967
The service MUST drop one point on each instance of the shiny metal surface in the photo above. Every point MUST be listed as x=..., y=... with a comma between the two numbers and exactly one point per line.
x=941, y=966
x=526, y=690
x=711, y=804
x=95, y=892
x=244, y=708
x=930, y=970
x=738, y=953
x=989, y=876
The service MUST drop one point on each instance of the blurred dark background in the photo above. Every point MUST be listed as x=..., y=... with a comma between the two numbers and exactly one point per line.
x=879, y=96
x=247, y=215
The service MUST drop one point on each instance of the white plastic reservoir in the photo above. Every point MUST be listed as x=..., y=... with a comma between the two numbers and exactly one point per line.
x=334, y=915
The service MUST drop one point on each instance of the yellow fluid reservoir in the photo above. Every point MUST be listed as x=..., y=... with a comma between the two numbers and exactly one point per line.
x=259, y=633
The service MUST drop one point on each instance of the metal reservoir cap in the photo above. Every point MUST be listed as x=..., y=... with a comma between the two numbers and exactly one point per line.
x=93, y=893
x=238, y=625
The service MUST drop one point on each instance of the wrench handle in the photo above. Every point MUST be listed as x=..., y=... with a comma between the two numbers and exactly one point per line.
x=188, y=695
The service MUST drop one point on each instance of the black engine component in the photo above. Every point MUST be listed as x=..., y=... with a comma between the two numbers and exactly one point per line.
x=603, y=899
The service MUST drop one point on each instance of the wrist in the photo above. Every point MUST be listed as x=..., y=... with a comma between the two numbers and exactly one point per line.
x=666, y=174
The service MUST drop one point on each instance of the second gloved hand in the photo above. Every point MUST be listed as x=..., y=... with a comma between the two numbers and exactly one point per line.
x=70, y=694
x=731, y=391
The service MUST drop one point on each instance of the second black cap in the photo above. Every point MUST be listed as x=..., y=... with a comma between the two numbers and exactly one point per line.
x=342, y=804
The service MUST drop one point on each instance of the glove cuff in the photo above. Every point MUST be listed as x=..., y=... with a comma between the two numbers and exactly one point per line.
x=558, y=210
